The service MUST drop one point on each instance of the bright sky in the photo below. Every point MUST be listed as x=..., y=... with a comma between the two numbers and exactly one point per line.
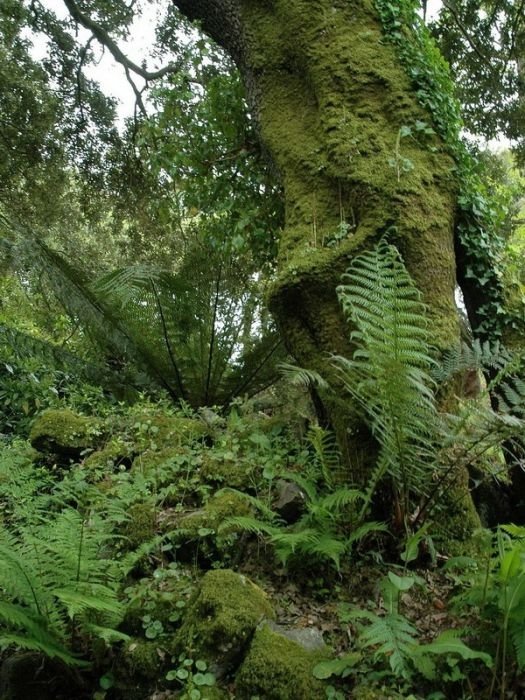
x=109, y=74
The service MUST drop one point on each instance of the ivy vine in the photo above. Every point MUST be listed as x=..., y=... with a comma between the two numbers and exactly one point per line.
x=476, y=228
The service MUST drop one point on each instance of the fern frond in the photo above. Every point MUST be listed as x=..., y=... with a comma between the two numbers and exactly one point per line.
x=341, y=498
x=394, y=638
x=100, y=599
x=107, y=634
x=372, y=526
x=326, y=450
x=389, y=374
x=300, y=376
x=49, y=649
x=247, y=524
x=33, y=635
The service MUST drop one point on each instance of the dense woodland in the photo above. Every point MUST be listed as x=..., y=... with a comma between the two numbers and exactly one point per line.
x=262, y=352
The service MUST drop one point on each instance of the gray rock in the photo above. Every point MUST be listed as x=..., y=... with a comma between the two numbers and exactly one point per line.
x=309, y=638
x=291, y=501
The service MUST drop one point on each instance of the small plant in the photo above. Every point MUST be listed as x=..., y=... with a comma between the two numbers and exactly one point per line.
x=400, y=163
x=495, y=589
x=56, y=585
x=392, y=641
x=328, y=529
x=193, y=676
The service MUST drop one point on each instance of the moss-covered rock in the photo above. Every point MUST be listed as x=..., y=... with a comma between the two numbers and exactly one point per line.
x=62, y=432
x=222, y=618
x=276, y=668
x=141, y=524
x=141, y=658
x=151, y=431
x=369, y=692
x=237, y=473
x=201, y=534
x=115, y=453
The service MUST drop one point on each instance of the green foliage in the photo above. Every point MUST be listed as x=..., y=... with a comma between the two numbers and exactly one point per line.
x=389, y=374
x=394, y=639
x=328, y=530
x=479, y=241
x=55, y=579
x=495, y=589
x=197, y=331
x=193, y=676
x=483, y=45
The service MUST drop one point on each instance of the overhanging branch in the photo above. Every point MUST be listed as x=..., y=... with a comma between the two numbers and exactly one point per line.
x=105, y=39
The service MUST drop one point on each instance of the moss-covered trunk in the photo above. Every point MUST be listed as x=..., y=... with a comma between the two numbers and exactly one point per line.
x=332, y=103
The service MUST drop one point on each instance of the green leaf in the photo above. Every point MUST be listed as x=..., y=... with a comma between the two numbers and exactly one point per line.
x=202, y=679
x=107, y=681
x=510, y=564
x=449, y=643
x=402, y=583
x=335, y=667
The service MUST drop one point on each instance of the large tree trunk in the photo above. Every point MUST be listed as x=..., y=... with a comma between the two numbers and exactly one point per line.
x=330, y=97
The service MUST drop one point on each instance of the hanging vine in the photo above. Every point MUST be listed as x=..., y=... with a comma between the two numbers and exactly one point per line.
x=478, y=210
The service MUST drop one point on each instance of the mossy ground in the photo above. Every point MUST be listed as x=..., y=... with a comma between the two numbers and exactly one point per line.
x=197, y=607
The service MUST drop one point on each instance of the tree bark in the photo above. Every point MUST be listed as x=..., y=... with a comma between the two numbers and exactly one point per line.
x=330, y=98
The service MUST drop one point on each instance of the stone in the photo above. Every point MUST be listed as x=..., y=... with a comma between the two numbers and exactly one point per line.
x=291, y=501
x=64, y=433
x=277, y=668
x=222, y=619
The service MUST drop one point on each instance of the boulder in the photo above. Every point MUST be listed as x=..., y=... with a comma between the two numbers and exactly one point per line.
x=278, y=668
x=199, y=535
x=221, y=620
x=290, y=503
x=26, y=675
x=64, y=433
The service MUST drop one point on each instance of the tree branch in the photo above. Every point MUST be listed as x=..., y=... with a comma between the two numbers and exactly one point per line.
x=105, y=39
x=464, y=32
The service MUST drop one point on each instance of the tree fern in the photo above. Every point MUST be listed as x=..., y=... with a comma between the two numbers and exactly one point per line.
x=197, y=331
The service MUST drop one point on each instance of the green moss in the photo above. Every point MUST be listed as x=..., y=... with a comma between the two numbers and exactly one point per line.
x=152, y=431
x=63, y=432
x=334, y=101
x=222, y=618
x=141, y=658
x=366, y=692
x=199, y=534
x=214, y=693
x=237, y=473
x=141, y=525
x=277, y=668
x=116, y=452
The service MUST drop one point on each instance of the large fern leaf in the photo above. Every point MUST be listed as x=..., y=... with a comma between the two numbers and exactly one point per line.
x=389, y=374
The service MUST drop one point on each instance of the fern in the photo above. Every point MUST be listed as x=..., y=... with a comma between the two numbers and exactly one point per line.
x=394, y=638
x=474, y=355
x=327, y=530
x=299, y=376
x=389, y=374
x=326, y=452
x=195, y=332
x=53, y=574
